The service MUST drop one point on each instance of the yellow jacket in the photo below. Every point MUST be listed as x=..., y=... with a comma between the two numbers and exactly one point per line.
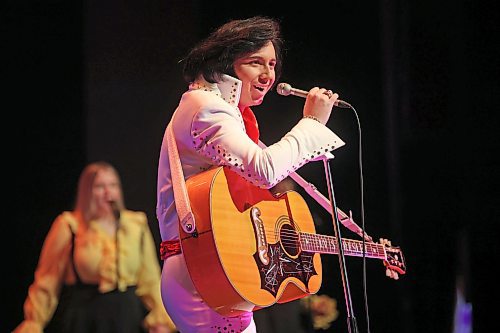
x=95, y=258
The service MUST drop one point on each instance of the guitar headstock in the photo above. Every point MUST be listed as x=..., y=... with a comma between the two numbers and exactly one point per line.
x=395, y=262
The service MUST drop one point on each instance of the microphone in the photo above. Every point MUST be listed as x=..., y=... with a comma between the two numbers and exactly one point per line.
x=285, y=89
x=116, y=210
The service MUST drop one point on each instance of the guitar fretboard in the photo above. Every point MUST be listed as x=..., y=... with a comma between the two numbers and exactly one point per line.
x=328, y=245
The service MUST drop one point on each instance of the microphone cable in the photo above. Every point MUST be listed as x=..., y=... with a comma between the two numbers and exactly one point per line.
x=362, y=191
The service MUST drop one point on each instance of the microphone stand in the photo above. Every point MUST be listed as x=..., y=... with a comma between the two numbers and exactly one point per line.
x=351, y=320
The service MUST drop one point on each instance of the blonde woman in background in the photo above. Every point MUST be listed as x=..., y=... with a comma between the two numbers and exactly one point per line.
x=98, y=270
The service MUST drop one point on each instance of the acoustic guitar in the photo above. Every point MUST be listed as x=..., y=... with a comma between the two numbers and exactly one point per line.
x=253, y=248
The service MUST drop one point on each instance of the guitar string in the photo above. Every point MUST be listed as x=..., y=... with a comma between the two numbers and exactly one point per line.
x=290, y=238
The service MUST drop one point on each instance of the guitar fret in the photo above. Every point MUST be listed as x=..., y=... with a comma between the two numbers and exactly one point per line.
x=328, y=244
x=324, y=243
x=332, y=248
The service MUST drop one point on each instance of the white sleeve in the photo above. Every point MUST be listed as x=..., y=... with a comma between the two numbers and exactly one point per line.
x=217, y=134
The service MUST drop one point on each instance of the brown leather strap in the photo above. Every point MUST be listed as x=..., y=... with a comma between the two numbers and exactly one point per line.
x=169, y=248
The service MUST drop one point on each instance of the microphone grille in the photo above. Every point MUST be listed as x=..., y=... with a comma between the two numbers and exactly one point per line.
x=284, y=89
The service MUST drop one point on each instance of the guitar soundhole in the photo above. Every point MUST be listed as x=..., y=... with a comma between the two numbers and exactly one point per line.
x=289, y=240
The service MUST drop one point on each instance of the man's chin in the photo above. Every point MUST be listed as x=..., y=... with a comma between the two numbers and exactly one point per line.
x=258, y=101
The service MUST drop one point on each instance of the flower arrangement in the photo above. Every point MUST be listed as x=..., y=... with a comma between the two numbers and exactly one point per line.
x=323, y=310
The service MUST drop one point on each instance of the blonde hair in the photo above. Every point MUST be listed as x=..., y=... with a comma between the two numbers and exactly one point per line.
x=84, y=198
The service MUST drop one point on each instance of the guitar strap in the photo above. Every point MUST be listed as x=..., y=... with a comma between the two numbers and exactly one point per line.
x=182, y=205
x=345, y=219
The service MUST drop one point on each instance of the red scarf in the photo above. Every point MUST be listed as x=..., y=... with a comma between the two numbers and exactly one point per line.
x=234, y=180
x=251, y=126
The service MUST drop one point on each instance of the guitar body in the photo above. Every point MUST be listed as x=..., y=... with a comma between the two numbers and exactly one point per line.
x=246, y=255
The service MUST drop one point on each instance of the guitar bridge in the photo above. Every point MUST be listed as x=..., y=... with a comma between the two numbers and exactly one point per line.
x=260, y=235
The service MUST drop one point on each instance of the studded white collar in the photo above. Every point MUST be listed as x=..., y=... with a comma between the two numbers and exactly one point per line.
x=228, y=89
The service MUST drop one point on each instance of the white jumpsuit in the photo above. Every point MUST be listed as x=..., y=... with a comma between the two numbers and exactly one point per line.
x=209, y=130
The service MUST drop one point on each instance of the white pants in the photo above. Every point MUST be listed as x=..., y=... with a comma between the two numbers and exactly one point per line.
x=186, y=308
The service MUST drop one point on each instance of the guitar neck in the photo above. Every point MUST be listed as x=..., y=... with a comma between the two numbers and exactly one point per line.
x=328, y=245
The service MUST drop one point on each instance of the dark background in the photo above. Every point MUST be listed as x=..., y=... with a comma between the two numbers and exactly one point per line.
x=86, y=80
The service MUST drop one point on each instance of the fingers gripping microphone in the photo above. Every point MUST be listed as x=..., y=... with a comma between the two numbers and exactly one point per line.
x=285, y=89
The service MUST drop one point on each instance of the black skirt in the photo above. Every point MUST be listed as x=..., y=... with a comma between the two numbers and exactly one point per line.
x=83, y=309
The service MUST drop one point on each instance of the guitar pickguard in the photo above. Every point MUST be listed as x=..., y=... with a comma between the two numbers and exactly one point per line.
x=282, y=266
